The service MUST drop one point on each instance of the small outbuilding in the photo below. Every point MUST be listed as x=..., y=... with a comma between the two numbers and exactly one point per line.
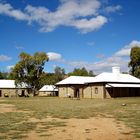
x=48, y=90
x=104, y=85
x=8, y=88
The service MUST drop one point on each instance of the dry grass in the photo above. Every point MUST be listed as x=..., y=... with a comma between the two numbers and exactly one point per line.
x=15, y=125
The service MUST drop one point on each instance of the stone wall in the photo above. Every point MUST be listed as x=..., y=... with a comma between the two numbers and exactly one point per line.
x=46, y=93
x=12, y=92
x=94, y=91
x=90, y=91
x=66, y=91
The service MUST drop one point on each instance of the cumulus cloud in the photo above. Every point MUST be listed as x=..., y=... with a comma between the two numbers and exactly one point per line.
x=111, y=9
x=125, y=51
x=85, y=25
x=54, y=56
x=120, y=58
x=104, y=65
x=83, y=15
x=71, y=13
x=7, y=9
x=4, y=58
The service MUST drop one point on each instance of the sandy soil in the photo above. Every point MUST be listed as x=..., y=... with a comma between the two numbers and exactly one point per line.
x=79, y=129
x=7, y=108
x=87, y=129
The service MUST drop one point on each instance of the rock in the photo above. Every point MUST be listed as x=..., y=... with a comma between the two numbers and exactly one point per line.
x=123, y=104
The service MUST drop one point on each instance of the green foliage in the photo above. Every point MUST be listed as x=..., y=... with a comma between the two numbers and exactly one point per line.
x=59, y=74
x=29, y=69
x=91, y=73
x=48, y=79
x=1, y=75
x=4, y=75
x=81, y=72
x=53, y=78
x=135, y=61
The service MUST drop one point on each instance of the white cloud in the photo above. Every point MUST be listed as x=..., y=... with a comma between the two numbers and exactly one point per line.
x=4, y=58
x=83, y=15
x=54, y=56
x=120, y=58
x=101, y=66
x=10, y=67
x=70, y=13
x=8, y=10
x=85, y=25
x=111, y=9
x=125, y=51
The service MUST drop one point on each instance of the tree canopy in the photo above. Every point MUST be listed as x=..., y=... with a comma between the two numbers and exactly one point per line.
x=1, y=75
x=134, y=63
x=30, y=69
x=5, y=75
x=53, y=78
x=59, y=73
x=81, y=72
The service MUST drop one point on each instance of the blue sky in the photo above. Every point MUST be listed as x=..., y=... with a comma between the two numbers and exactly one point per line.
x=96, y=34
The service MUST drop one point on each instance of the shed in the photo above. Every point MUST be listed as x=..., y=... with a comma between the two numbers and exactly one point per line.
x=48, y=90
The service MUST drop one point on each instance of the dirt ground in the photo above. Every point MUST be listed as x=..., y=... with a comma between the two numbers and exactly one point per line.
x=7, y=108
x=86, y=129
x=97, y=128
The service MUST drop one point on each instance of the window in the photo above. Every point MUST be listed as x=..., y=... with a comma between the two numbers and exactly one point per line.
x=96, y=90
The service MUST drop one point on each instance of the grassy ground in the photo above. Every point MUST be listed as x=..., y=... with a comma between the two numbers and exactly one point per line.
x=15, y=125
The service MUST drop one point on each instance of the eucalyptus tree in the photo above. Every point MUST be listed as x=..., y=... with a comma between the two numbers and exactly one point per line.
x=134, y=63
x=29, y=70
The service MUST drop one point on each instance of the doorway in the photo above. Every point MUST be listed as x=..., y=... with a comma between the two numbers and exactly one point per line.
x=76, y=93
x=0, y=93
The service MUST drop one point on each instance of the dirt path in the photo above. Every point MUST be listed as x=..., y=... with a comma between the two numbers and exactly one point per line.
x=87, y=129
x=7, y=108
x=78, y=129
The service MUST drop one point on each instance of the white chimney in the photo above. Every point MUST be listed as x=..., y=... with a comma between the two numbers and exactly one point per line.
x=116, y=70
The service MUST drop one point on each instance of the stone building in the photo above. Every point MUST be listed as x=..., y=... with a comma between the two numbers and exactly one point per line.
x=9, y=89
x=104, y=85
x=48, y=90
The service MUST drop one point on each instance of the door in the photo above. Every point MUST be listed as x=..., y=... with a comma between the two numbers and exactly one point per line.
x=76, y=93
x=0, y=93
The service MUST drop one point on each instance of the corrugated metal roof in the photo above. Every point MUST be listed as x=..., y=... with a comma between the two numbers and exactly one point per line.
x=109, y=85
x=10, y=84
x=75, y=80
x=112, y=77
x=7, y=84
x=103, y=77
x=49, y=88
